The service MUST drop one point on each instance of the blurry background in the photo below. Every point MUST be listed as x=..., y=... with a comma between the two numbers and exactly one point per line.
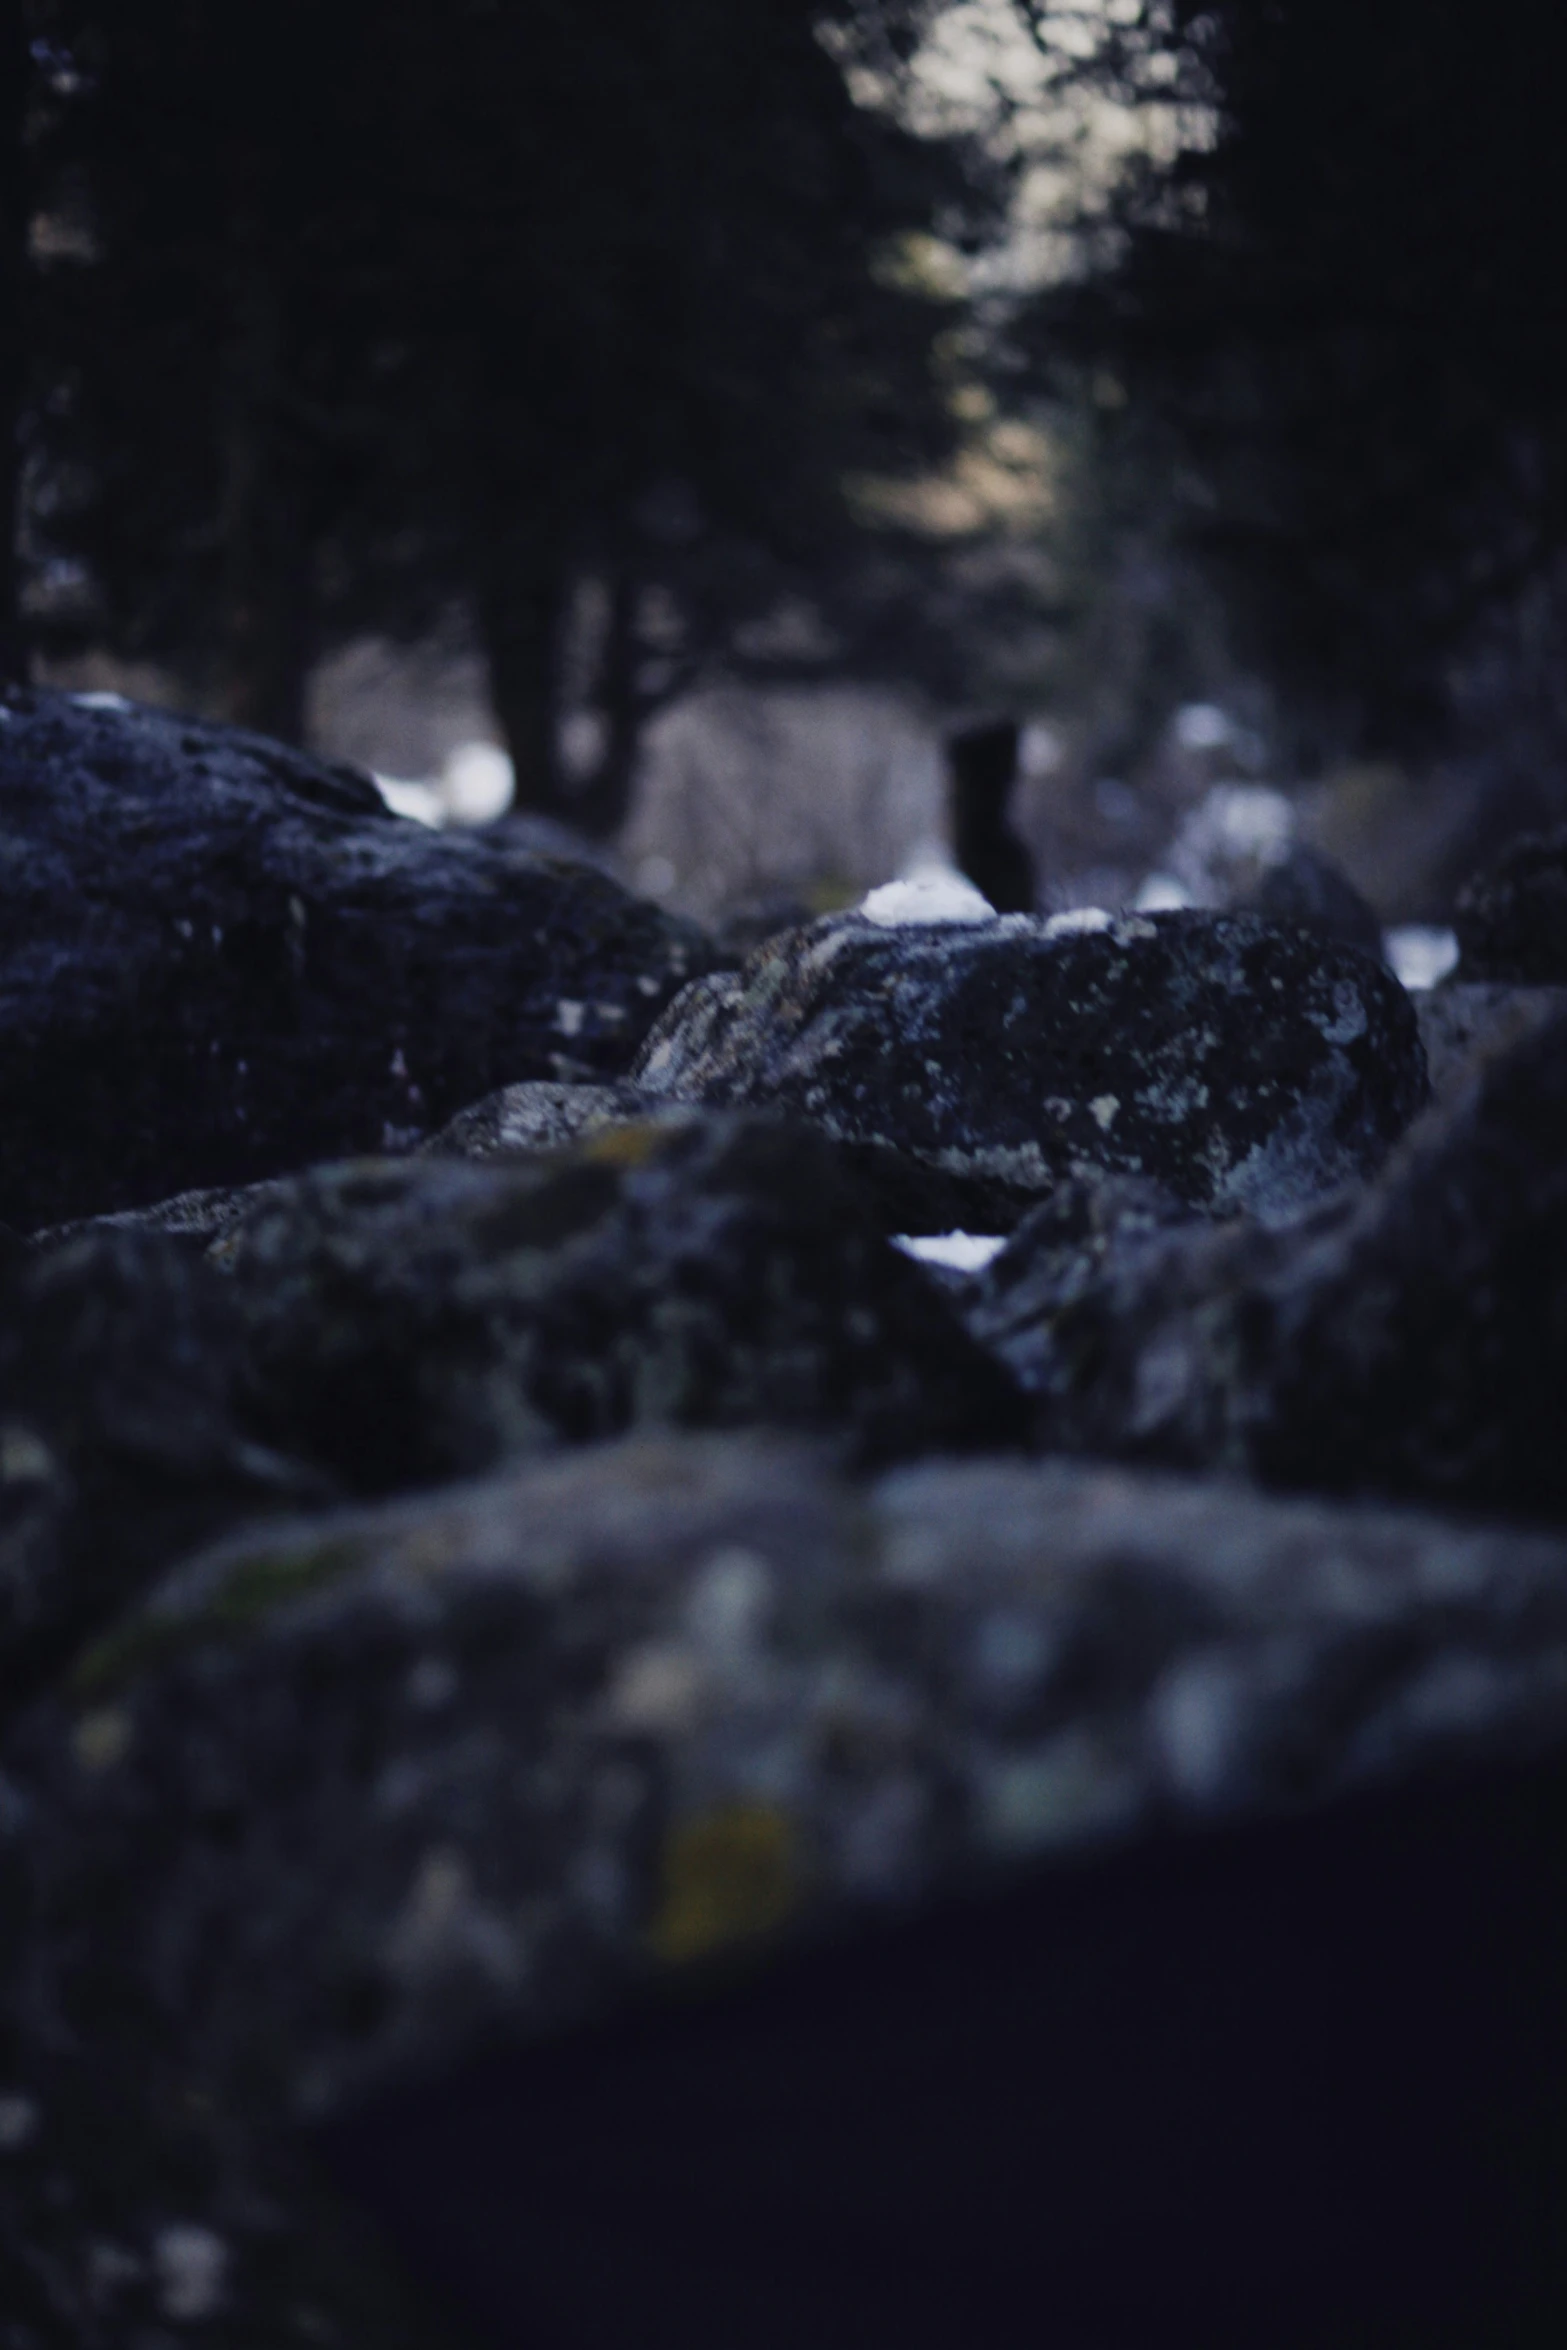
x=672, y=427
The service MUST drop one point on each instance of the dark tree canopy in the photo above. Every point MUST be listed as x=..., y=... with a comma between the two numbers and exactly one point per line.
x=1332, y=336
x=367, y=312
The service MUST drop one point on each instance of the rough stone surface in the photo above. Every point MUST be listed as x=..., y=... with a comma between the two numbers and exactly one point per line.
x=221, y=959
x=417, y=1318
x=537, y=1115
x=1408, y=1338
x=1239, y=1064
x=1067, y=1248
x=348, y=1798
x=904, y=1193
x=1307, y=889
x=122, y=1436
x=1464, y=1020
x=1511, y=918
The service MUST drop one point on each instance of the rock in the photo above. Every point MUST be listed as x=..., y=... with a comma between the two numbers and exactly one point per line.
x=1239, y=1064
x=1305, y=888
x=538, y=1116
x=420, y=1318
x=904, y=1194
x=1069, y=1247
x=1238, y=852
x=1410, y=1338
x=1511, y=917
x=1462, y=1021
x=222, y=960
x=358, y=1801
x=122, y=1438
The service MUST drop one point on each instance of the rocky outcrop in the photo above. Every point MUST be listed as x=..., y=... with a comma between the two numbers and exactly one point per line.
x=1238, y=851
x=221, y=959
x=905, y=1194
x=1512, y=917
x=123, y=1437
x=1307, y=889
x=380, y=1324
x=353, y=1801
x=535, y=1116
x=1409, y=1338
x=1238, y=1064
x=408, y=1320
x=1463, y=1021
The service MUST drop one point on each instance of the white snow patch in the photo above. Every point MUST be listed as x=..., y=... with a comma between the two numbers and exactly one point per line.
x=1420, y=953
x=960, y=1252
x=477, y=784
x=932, y=893
x=1252, y=819
x=421, y=801
x=1161, y=893
x=1077, y=918
x=1202, y=726
x=102, y=701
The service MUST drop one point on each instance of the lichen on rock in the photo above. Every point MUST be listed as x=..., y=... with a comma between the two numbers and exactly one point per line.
x=1238, y=1063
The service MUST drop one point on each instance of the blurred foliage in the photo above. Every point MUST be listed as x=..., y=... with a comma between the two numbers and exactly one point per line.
x=1318, y=336
x=349, y=316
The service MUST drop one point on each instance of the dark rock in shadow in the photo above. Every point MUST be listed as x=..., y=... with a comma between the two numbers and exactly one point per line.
x=1306, y=888
x=222, y=960
x=1409, y=1337
x=435, y=1828
x=409, y=1320
x=1511, y=918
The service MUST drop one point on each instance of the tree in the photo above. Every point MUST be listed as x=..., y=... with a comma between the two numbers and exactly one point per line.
x=1333, y=329
x=13, y=287
x=394, y=309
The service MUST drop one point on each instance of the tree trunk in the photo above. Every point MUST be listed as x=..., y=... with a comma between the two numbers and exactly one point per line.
x=13, y=296
x=601, y=805
x=522, y=596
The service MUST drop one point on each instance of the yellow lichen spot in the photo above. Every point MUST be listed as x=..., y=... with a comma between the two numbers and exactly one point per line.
x=626, y=1146
x=103, y=1738
x=730, y=1875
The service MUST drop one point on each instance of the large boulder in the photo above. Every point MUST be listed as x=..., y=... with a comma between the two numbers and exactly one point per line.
x=123, y=1436
x=1409, y=1337
x=374, y=1803
x=221, y=959
x=418, y=1318
x=1465, y=1021
x=173, y=1370
x=1238, y=851
x=1237, y=1063
x=904, y=1193
x=1511, y=918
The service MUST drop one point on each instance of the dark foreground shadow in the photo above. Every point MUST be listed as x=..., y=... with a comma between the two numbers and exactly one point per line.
x=1301, y=2087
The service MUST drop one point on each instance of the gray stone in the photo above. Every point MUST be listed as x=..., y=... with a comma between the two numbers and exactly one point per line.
x=538, y=1116
x=350, y=1800
x=419, y=1318
x=123, y=1436
x=1307, y=889
x=222, y=959
x=1465, y=1020
x=1511, y=917
x=1239, y=1064
x=1409, y=1337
